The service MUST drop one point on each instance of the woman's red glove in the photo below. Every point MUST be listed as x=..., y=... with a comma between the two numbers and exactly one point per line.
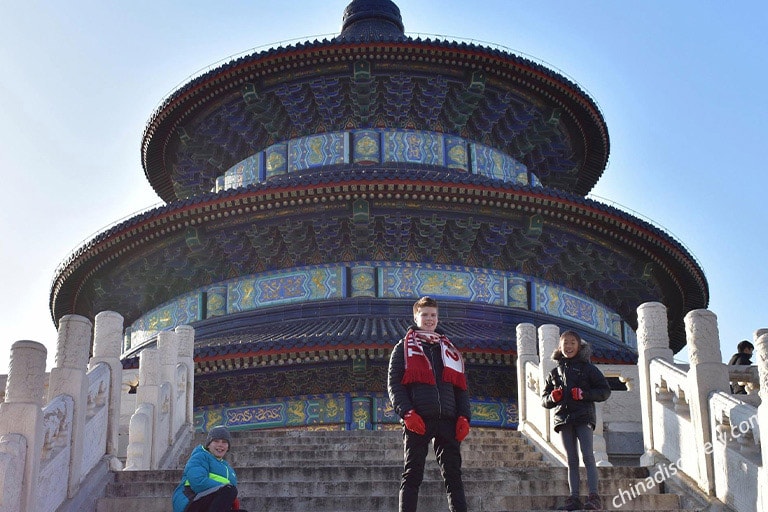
x=462, y=428
x=577, y=394
x=556, y=394
x=414, y=423
x=236, y=504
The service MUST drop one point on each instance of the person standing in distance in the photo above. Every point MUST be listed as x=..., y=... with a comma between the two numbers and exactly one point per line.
x=428, y=389
x=742, y=357
x=572, y=388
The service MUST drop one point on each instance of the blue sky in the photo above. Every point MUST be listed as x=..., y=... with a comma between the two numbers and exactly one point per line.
x=681, y=85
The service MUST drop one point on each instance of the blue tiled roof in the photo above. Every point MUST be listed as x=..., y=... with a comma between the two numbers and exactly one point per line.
x=473, y=328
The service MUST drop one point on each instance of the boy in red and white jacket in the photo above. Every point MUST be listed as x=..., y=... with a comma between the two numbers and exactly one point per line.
x=428, y=389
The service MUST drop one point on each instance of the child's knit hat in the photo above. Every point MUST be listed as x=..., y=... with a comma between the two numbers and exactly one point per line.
x=218, y=432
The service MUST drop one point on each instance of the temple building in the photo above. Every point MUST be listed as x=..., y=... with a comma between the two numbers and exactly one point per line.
x=314, y=191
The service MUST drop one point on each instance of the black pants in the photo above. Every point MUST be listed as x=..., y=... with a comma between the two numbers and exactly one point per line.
x=448, y=455
x=219, y=501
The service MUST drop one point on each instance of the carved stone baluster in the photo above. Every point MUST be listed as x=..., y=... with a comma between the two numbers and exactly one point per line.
x=706, y=375
x=652, y=343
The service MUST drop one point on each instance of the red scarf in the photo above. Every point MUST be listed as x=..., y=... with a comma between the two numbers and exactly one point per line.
x=418, y=369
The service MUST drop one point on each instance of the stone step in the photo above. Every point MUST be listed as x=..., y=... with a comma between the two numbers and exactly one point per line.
x=297, y=471
x=383, y=439
x=382, y=484
x=374, y=456
x=256, y=436
x=434, y=501
x=484, y=448
x=304, y=473
x=367, y=445
x=396, y=431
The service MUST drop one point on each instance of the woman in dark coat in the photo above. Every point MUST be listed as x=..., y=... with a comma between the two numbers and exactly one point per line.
x=572, y=388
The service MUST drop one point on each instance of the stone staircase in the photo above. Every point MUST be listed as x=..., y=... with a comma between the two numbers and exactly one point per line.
x=292, y=471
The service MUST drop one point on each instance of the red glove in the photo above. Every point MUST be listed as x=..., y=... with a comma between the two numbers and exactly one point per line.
x=577, y=394
x=557, y=394
x=414, y=423
x=236, y=504
x=462, y=428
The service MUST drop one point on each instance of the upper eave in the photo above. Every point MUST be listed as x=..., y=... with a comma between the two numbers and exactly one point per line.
x=584, y=129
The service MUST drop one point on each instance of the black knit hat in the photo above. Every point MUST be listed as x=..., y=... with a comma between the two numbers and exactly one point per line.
x=218, y=432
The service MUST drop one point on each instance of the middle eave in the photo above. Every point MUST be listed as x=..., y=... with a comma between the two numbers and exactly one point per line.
x=643, y=254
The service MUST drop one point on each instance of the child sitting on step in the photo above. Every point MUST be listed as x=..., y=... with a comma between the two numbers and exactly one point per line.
x=209, y=483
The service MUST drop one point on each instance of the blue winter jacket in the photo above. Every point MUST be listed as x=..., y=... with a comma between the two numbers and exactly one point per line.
x=203, y=472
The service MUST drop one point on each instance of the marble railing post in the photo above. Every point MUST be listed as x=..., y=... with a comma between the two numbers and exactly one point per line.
x=107, y=345
x=652, y=343
x=755, y=337
x=549, y=338
x=186, y=334
x=707, y=374
x=761, y=359
x=68, y=377
x=148, y=393
x=168, y=347
x=526, y=353
x=22, y=413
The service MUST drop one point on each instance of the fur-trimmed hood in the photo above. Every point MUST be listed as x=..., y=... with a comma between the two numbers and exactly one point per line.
x=584, y=354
